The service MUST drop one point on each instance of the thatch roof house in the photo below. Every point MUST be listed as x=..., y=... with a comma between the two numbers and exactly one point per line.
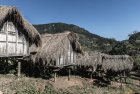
x=16, y=33
x=57, y=50
x=89, y=60
x=116, y=63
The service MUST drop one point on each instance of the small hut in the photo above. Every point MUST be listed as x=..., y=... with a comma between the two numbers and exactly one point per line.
x=58, y=50
x=89, y=60
x=117, y=66
x=16, y=34
x=117, y=63
x=104, y=63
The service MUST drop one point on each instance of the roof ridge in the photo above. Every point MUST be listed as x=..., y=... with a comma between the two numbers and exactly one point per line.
x=57, y=34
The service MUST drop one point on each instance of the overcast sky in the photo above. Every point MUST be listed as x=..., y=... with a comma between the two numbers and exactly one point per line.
x=108, y=18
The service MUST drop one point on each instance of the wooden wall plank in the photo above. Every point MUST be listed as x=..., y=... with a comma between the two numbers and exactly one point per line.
x=6, y=38
x=10, y=41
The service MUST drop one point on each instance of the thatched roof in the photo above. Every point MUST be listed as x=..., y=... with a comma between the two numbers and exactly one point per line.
x=89, y=60
x=117, y=62
x=10, y=13
x=55, y=45
x=108, y=62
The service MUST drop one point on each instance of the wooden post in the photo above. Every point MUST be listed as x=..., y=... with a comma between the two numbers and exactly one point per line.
x=7, y=63
x=125, y=77
x=19, y=69
x=69, y=70
x=121, y=80
x=55, y=76
x=91, y=76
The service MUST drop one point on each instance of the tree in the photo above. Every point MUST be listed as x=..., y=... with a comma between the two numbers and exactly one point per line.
x=119, y=49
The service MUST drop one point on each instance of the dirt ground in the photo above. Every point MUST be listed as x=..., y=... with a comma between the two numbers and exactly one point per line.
x=10, y=84
x=63, y=82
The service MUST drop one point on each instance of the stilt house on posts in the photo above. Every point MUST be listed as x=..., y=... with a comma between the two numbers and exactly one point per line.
x=58, y=50
x=16, y=34
x=115, y=63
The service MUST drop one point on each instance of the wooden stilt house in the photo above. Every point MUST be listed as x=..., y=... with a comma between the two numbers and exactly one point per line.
x=58, y=50
x=100, y=62
x=116, y=63
x=16, y=34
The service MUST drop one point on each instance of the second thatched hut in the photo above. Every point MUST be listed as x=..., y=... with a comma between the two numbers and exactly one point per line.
x=58, y=50
x=115, y=63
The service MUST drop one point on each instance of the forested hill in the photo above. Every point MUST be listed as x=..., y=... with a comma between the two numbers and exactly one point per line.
x=88, y=40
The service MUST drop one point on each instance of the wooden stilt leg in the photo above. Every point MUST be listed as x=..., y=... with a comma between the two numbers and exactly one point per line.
x=54, y=76
x=69, y=74
x=7, y=63
x=121, y=80
x=91, y=76
x=19, y=69
x=125, y=76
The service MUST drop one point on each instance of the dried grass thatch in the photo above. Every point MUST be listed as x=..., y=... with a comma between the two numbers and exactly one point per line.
x=10, y=13
x=89, y=60
x=115, y=63
x=55, y=45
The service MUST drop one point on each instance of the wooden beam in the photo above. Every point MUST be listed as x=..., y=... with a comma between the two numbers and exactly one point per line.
x=70, y=52
x=12, y=42
x=27, y=44
x=4, y=33
x=16, y=42
x=23, y=45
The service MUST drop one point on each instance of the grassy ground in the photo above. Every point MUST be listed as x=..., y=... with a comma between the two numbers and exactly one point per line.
x=10, y=84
